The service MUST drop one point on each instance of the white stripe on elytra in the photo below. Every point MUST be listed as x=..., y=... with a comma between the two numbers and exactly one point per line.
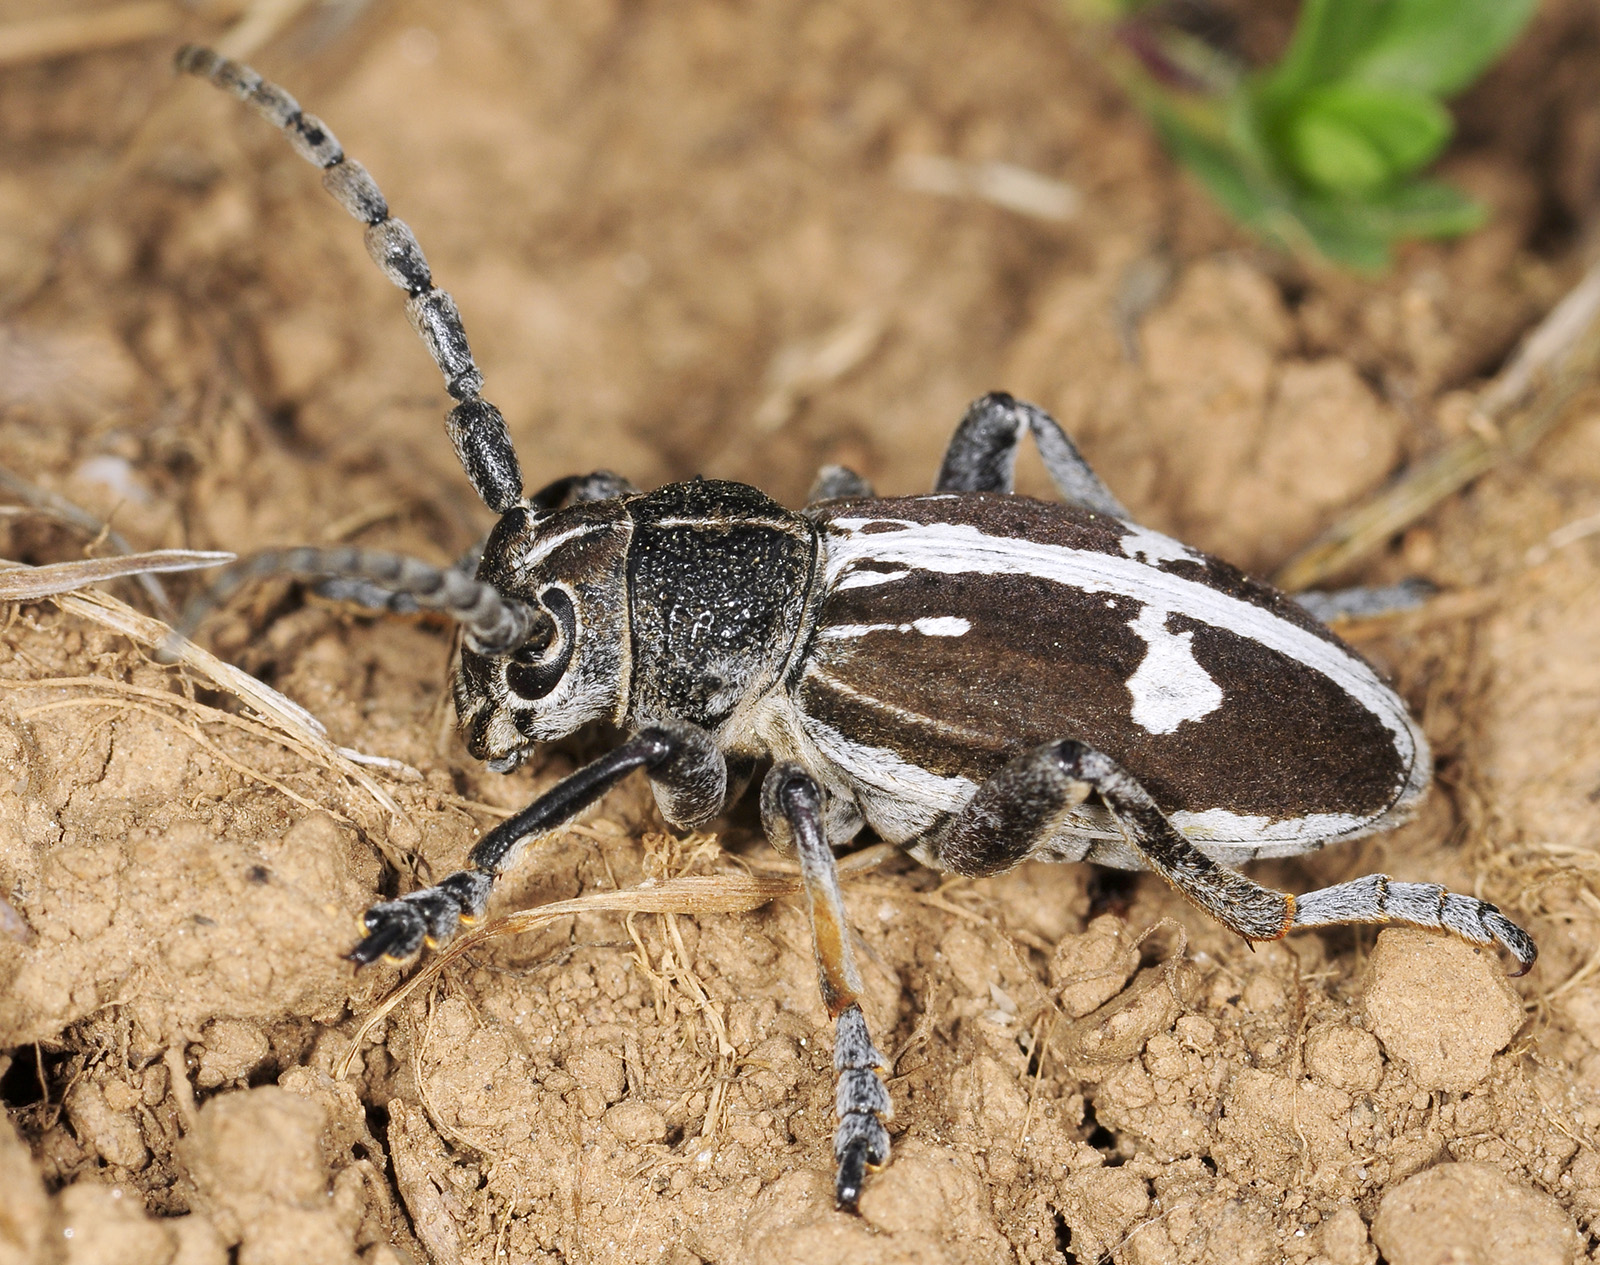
x=928, y=626
x=1169, y=686
x=866, y=579
x=1224, y=826
x=919, y=720
x=960, y=548
x=1152, y=547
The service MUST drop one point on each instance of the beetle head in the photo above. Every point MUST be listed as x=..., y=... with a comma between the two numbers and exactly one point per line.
x=568, y=564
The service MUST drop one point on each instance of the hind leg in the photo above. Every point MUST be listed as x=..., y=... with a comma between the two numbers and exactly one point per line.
x=1365, y=602
x=1018, y=811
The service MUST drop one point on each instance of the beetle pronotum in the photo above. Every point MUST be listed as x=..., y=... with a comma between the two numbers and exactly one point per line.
x=976, y=676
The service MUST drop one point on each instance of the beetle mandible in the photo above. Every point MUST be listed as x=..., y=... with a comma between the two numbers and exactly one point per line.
x=977, y=676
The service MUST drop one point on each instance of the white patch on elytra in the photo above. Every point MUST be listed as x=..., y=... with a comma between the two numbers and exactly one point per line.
x=928, y=626
x=1152, y=547
x=942, y=625
x=1169, y=686
x=866, y=579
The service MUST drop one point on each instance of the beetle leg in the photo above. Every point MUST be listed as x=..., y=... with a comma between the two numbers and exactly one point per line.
x=687, y=773
x=1378, y=898
x=791, y=811
x=1019, y=810
x=837, y=483
x=1365, y=602
x=982, y=456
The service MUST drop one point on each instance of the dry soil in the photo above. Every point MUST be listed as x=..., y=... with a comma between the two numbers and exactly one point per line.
x=685, y=243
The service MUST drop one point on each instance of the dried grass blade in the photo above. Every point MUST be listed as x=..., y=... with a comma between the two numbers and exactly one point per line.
x=48, y=502
x=23, y=583
x=102, y=609
x=696, y=894
x=1526, y=402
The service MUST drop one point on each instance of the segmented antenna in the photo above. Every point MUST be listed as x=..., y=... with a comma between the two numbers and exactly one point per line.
x=494, y=624
x=476, y=427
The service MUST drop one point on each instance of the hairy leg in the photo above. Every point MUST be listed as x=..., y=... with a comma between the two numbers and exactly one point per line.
x=791, y=811
x=1018, y=811
x=690, y=780
x=982, y=456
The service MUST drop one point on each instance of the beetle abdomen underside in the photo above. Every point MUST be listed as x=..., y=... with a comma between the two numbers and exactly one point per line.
x=957, y=633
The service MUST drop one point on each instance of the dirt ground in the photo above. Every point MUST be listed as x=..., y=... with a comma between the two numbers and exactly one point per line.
x=687, y=239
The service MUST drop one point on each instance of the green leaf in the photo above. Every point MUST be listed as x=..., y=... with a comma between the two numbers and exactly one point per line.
x=1328, y=39
x=1357, y=232
x=1220, y=169
x=1353, y=139
x=1318, y=154
x=1437, y=46
x=1341, y=234
x=1425, y=208
x=1334, y=156
x=1432, y=46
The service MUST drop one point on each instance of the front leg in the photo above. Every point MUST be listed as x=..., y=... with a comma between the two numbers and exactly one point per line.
x=791, y=812
x=1018, y=812
x=690, y=780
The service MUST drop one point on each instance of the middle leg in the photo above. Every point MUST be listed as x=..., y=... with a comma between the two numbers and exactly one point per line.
x=837, y=483
x=791, y=812
x=1365, y=601
x=982, y=456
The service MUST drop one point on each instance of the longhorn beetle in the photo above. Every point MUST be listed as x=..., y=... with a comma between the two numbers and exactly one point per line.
x=979, y=677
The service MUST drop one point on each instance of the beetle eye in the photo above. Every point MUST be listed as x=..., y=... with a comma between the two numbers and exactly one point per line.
x=533, y=672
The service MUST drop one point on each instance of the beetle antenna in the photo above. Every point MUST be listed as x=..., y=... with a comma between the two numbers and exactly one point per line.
x=476, y=426
x=494, y=624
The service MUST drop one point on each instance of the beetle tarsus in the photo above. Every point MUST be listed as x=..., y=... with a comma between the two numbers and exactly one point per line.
x=864, y=1151
x=861, y=1101
x=398, y=929
x=395, y=932
x=1379, y=899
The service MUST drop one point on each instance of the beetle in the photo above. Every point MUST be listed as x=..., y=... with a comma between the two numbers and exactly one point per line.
x=977, y=676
